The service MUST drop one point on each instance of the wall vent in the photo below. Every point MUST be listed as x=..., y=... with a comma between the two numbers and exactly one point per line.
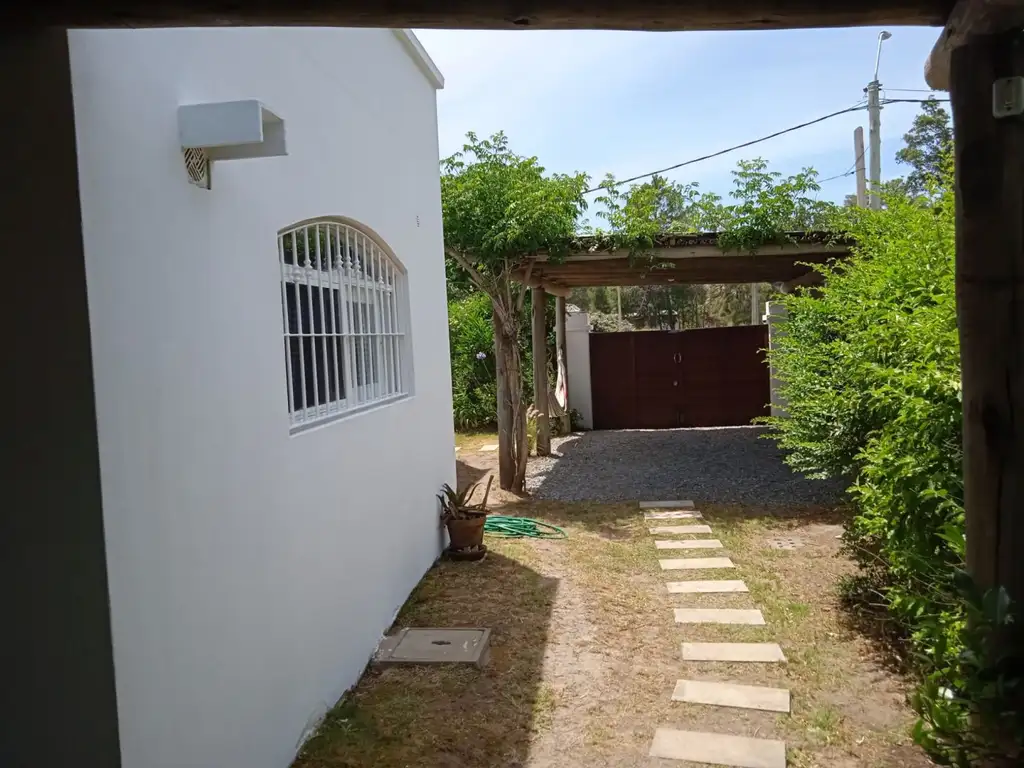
x=197, y=164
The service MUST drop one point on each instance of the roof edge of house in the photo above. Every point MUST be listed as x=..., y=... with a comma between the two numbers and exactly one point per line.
x=419, y=54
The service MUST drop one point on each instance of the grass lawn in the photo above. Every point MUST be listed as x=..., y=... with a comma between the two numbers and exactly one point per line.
x=585, y=653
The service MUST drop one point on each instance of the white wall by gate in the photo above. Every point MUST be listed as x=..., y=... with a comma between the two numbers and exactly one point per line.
x=774, y=313
x=577, y=353
x=251, y=570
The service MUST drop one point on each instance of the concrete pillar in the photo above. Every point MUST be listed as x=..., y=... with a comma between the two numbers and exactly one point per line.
x=540, y=371
x=561, y=387
x=776, y=313
x=577, y=364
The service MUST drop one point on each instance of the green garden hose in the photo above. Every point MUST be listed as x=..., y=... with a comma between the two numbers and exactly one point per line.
x=521, y=527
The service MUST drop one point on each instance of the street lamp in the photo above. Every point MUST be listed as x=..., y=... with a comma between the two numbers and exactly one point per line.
x=882, y=37
x=875, y=127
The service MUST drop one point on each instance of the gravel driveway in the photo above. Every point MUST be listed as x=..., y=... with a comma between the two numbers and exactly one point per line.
x=726, y=465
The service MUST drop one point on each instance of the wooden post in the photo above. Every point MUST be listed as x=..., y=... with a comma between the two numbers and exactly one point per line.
x=540, y=371
x=990, y=307
x=560, y=359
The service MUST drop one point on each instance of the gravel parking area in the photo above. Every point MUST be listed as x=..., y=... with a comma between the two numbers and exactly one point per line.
x=724, y=465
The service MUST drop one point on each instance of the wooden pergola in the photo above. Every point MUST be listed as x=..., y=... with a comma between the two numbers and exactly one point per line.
x=671, y=260
x=60, y=619
x=681, y=259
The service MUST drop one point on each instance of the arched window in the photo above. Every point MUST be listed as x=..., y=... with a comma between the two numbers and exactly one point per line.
x=343, y=300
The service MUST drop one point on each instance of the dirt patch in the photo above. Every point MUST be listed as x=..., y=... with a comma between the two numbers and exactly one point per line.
x=585, y=652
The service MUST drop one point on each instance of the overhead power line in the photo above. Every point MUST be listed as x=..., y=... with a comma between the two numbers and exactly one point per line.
x=725, y=151
x=855, y=108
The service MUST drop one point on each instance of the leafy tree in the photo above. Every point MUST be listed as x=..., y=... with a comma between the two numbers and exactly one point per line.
x=764, y=205
x=499, y=207
x=928, y=142
x=598, y=299
x=768, y=205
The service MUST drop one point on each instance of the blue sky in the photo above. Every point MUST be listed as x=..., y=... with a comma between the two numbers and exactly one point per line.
x=632, y=102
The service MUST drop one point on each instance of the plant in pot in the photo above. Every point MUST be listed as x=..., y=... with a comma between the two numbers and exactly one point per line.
x=464, y=519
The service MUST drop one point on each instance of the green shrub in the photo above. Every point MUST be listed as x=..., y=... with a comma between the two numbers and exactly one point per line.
x=471, y=337
x=870, y=372
x=474, y=383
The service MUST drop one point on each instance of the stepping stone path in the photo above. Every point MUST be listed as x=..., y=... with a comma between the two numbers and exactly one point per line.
x=750, y=616
x=703, y=587
x=696, y=563
x=669, y=515
x=732, y=695
x=681, y=529
x=689, y=544
x=714, y=748
x=761, y=652
x=719, y=749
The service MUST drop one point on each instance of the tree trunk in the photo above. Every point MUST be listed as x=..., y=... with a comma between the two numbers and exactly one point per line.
x=506, y=453
x=512, y=448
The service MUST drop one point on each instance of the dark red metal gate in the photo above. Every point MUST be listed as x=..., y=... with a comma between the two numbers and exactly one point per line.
x=712, y=377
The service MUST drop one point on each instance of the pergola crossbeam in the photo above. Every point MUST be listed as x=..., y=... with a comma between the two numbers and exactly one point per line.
x=690, y=259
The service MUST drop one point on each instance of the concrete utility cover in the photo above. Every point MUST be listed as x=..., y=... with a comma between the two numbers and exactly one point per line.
x=672, y=515
x=681, y=529
x=689, y=544
x=718, y=749
x=435, y=646
x=704, y=587
x=695, y=563
x=732, y=695
x=750, y=616
x=682, y=504
x=786, y=542
x=756, y=652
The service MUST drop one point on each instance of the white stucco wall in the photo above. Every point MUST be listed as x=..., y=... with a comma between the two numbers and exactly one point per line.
x=775, y=313
x=577, y=363
x=251, y=572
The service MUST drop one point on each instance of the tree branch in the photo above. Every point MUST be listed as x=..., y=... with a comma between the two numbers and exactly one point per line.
x=465, y=263
x=521, y=299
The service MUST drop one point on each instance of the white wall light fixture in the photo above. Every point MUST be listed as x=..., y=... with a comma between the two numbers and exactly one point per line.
x=230, y=130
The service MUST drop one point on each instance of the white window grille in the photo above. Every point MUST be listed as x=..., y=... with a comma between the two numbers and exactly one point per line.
x=342, y=296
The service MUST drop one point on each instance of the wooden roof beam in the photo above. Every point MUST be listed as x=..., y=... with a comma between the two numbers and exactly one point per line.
x=483, y=14
x=968, y=19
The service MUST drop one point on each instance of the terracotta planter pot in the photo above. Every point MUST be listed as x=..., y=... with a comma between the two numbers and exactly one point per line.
x=466, y=533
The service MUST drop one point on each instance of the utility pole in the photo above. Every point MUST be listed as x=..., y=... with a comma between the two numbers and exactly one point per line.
x=755, y=305
x=858, y=154
x=618, y=300
x=875, y=126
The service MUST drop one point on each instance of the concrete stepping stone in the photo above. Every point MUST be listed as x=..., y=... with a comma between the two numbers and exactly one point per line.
x=718, y=749
x=689, y=544
x=732, y=695
x=705, y=587
x=696, y=563
x=754, y=652
x=681, y=504
x=750, y=616
x=681, y=529
x=677, y=515
x=489, y=447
